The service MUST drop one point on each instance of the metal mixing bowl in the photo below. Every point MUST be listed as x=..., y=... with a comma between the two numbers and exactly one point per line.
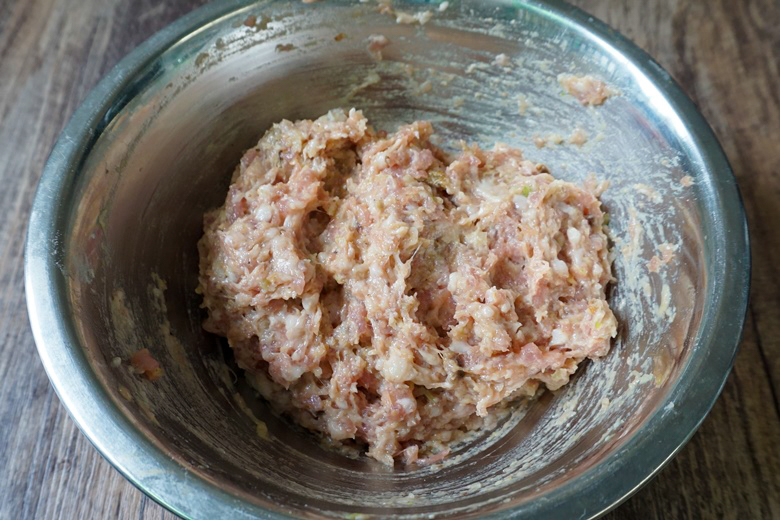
x=111, y=259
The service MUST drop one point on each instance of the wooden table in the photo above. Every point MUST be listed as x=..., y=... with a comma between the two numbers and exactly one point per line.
x=725, y=54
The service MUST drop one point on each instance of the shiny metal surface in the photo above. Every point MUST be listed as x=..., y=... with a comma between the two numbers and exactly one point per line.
x=111, y=260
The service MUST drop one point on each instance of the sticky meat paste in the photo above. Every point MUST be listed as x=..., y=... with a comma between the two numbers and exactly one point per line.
x=375, y=289
x=588, y=90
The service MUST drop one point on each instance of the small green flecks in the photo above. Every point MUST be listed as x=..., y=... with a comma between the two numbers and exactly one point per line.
x=526, y=190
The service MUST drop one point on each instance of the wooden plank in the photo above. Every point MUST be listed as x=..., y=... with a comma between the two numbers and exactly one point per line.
x=724, y=54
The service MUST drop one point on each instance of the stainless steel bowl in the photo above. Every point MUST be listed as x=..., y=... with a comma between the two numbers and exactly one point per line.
x=111, y=259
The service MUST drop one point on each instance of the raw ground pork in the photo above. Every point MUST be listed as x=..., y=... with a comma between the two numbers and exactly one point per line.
x=375, y=289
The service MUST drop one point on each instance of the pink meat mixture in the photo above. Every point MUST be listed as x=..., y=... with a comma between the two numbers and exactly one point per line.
x=375, y=289
x=588, y=90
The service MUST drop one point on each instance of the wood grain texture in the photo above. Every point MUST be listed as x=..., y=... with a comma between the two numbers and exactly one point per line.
x=725, y=55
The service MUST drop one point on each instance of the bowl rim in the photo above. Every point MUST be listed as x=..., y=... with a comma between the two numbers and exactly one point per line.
x=598, y=490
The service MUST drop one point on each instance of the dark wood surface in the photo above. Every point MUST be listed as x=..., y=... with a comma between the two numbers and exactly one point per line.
x=724, y=53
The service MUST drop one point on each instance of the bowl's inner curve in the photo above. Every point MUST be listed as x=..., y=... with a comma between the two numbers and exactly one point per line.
x=167, y=155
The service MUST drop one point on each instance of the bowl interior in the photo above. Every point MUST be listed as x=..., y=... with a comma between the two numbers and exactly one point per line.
x=164, y=153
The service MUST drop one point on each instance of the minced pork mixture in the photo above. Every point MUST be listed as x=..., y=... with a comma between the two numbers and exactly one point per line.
x=376, y=289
